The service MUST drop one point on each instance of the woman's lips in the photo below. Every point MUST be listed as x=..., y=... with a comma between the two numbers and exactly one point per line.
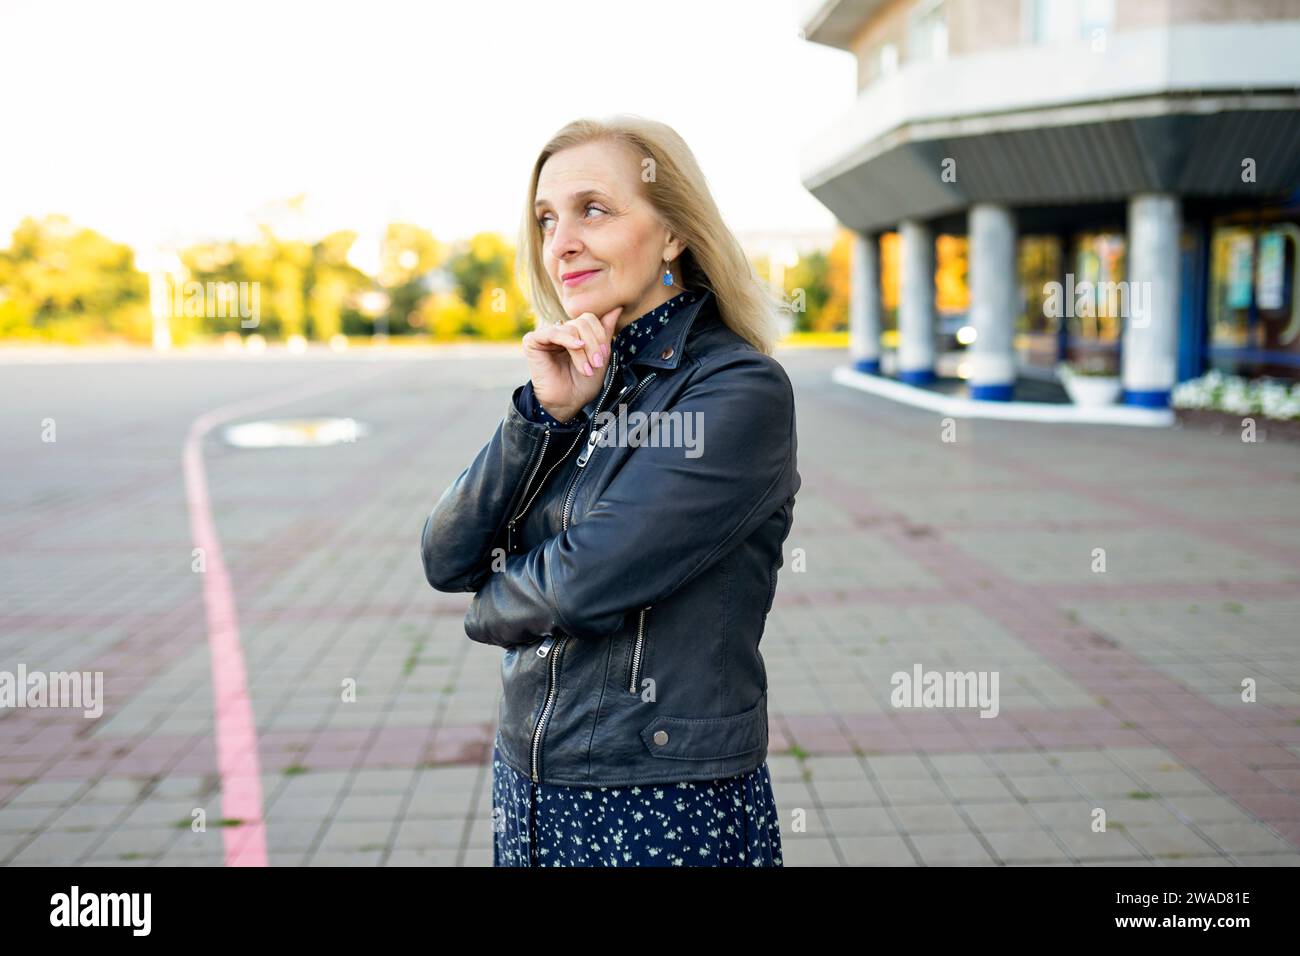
x=580, y=277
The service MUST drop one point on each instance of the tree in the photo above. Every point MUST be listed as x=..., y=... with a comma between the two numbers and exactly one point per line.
x=65, y=283
x=484, y=273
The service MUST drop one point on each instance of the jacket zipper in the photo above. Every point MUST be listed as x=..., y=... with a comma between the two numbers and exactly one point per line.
x=591, y=444
x=510, y=527
x=636, y=651
x=546, y=437
x=551, y=687
x=551, y=645
x=513, y=523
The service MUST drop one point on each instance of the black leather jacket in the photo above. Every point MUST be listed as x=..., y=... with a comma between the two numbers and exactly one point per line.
x=629, y=584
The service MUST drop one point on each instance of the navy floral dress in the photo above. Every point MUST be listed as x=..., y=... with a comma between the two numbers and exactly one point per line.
x=727, y=822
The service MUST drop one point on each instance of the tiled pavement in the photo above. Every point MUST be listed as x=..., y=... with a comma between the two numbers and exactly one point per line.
x=1120, y=690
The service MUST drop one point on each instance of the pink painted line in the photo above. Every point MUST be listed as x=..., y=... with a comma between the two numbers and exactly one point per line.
x=238, y=762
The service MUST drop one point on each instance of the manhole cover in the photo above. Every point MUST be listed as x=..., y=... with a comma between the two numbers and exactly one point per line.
x=294, y=433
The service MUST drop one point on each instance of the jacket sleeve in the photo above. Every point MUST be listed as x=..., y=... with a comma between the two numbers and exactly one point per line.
x=527, y=404
x=532, y=410
x=667, y=516
x=463, y=527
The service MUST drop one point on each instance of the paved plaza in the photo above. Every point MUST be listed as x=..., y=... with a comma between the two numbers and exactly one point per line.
x=1120, y=685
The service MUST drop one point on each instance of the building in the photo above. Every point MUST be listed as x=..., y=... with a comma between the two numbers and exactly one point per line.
x=1145, y=153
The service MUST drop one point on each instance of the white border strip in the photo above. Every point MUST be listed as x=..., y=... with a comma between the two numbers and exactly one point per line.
x=1007, y=411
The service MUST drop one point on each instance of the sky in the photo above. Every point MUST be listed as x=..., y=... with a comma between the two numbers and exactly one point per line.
x=167, y=123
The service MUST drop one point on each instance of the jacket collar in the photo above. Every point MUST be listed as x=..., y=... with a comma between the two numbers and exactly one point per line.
x=672, y=344
x=668, y=347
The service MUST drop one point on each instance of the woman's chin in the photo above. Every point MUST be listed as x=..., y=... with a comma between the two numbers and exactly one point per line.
x=576, y=305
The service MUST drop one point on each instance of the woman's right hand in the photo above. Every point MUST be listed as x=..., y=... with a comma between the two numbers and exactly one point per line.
x=565, y=361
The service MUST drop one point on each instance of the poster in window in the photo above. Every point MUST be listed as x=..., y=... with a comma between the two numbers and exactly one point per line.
x=1240, y=256
x=1270, y=281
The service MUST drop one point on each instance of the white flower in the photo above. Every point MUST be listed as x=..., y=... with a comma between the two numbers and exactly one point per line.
x=1268, y=396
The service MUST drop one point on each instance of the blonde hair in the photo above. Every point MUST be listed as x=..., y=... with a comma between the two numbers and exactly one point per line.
x=713, y=258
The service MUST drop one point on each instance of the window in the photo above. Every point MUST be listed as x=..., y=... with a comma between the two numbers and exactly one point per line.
x=880, y=63
x=927, y=32
x=888, y=60
x=1065, y=21
x=1254, y=320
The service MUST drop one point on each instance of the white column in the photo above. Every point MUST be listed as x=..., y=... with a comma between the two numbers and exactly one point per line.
x=1150, y=302
x=864, y=304
x=993, y=301
x=916, y=304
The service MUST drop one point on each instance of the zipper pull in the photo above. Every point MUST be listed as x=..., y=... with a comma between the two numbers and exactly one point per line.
x=591, y=443
x=594, y=438
x=546, y=647
x=510, y=537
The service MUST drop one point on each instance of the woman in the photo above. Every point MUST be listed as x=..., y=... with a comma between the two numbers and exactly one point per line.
x=622, y=528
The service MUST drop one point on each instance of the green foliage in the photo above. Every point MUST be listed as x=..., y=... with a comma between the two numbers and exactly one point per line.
x=816, y=288
x=59, y=283
x=484, y=276
x=67, y=284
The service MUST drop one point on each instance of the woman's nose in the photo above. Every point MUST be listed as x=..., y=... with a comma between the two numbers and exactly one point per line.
x=564, y=239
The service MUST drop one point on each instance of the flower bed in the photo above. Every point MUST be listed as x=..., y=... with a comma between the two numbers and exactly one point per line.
x=1220, y=402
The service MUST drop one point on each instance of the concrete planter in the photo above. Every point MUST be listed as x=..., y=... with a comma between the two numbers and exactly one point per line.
x=1091, y=391
x=1220, y=423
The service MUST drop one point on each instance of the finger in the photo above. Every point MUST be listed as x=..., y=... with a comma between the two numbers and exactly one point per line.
x=592, y=338
x=581, y=360
x=602, y=328
x=555, y=336
x=609, y=321
x=538, y=340
x=565, y=336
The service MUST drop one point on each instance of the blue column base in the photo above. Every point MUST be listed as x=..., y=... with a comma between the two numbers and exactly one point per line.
x=917, y=376
x=993, y=393
x=871, y=365
x=1147, y=398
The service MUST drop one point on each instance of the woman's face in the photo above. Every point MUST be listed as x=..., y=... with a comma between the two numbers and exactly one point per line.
x=594, y=220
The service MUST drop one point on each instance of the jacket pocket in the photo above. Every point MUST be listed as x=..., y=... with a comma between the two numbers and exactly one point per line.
x=708, y=738
x=638, y=654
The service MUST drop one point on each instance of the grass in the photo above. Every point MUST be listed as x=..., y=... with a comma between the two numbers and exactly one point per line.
x=412, y=658
x=186, y=823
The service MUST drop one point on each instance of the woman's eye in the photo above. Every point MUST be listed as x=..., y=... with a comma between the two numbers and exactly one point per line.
x=542, y=220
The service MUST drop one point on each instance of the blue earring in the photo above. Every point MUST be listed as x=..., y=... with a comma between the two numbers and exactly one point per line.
x=668, y=276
